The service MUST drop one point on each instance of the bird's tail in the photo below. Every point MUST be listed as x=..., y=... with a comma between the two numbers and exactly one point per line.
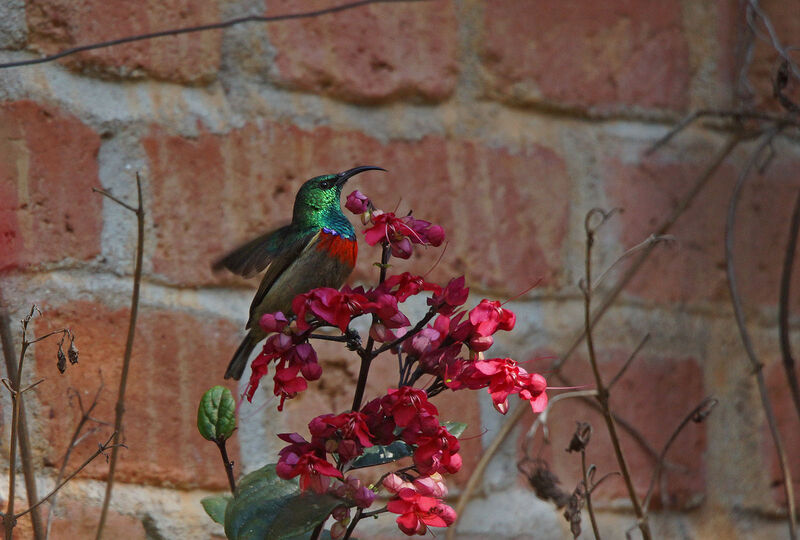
x=240, y=357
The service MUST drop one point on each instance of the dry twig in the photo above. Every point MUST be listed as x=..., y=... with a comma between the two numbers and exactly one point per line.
x=740, y=323
x=126, y=362
x=200, y=28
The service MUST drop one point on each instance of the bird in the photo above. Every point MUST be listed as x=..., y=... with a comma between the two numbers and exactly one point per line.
x=317, y=249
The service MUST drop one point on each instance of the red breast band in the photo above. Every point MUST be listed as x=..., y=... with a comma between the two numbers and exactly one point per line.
x=340, y=248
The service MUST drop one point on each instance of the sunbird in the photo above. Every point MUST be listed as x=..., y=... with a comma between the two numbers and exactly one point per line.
x=317, y=249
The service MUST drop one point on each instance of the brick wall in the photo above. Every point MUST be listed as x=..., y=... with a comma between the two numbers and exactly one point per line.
x=504, y=121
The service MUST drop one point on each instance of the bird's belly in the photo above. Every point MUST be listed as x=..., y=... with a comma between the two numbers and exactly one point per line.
x=314, y=268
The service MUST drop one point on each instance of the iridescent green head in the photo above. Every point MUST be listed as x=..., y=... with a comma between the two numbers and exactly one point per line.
x=318, y=200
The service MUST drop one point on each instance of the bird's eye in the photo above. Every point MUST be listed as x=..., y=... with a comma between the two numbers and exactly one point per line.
x=325, y=184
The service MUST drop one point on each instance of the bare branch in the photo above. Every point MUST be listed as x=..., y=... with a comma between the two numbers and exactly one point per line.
x=697, y=415
x=24, y=438
x=199, y=28
x=783, y=306
x=745, y=336
x=627, y=363
x=101, y=448
x=74, y=441
x=602, y=392
x=126, y=362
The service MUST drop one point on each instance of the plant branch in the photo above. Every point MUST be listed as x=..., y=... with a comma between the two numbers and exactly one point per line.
x=353, y=524
x=228, y=464
x=783, y=307
x=628, y=362
x=588, y=495
x=698, y=414
x=745, y=336
x=8, y=520
x=101, y=448
x=602, y=392
x=199, y=28
x=367, y=354
x=126, y=362
x=700, y=183
x=24, y=437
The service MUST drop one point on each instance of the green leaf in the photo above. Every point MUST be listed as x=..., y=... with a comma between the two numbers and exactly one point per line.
x=378, y=455
x=455, y=428
x=215, y=507
x=267, y=506
x=216, y=416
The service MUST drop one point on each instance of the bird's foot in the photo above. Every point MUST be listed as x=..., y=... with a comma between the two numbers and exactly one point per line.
x=353, y=339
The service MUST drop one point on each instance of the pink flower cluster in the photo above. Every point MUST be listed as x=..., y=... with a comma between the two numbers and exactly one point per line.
x=418, y=503
x=296, y=359
x=398, y=232
x=404, y=414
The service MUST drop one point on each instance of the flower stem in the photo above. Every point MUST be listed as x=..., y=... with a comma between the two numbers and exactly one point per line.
x=368, y=355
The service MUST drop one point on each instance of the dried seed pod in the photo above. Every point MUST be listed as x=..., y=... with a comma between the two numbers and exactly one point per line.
x=583, y=432
x=62, y=360
x=72, y=353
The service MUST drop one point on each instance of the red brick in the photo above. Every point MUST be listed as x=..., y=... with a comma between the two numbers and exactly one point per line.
x=364, y=54
x=469, y=188
x=48, y=165
x=694, y=269
x=78, y=519
x=654, y=395
x=587, y=55
x=786, y=416
x=188, y=58
x=176, y=357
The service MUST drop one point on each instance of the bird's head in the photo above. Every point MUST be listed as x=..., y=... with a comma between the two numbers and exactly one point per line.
x=322, y=193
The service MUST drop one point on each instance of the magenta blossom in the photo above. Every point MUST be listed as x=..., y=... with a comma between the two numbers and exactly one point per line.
x=357, y=202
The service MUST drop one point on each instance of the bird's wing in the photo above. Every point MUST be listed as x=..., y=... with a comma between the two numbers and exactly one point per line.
x=280, y=262
x=251, y=258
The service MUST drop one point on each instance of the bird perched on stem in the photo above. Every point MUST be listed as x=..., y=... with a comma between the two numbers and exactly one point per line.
x=317, y=249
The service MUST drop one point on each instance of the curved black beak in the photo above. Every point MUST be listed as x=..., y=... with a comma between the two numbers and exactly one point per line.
x=344, y=176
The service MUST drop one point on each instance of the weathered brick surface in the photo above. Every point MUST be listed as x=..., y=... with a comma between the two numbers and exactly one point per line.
x=586, y=55
x=694, y=269
x=504, y=227
x=363, y=55
x=788, y=421
x=654, y=396
x=189, y=58
x=78, y=519
x=176, y=357
x=48, y=165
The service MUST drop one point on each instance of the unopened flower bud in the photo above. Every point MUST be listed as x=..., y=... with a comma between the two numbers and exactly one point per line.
x=393, y=483
x=341, y=513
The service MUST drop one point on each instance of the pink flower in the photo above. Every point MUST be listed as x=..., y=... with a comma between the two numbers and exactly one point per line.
x=432, y=486
x=302, y=459
x=401, y=233
x=488, y=317
x=273, y=322
x=436, y=449
x=329, y=305
x=406, y=403
x=405, y=285
x=345, y=434
x=418, y=512
x=380, y=425
x=452, y=296
x=357, y=202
